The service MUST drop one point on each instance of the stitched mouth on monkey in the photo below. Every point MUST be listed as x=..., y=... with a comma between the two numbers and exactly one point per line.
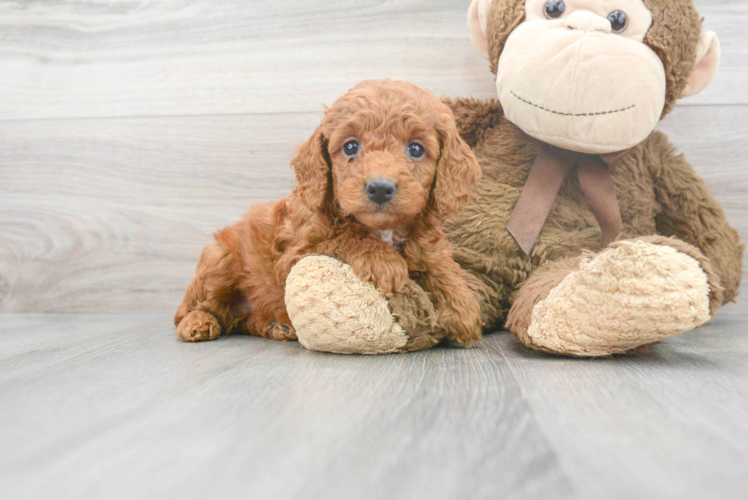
x=587, y=91
x=573, y=115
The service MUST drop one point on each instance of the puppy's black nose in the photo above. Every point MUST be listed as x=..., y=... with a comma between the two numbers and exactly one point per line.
x=381, y=191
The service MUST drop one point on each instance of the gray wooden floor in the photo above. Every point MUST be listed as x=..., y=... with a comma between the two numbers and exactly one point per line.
x=130, y=130
x=114, y=406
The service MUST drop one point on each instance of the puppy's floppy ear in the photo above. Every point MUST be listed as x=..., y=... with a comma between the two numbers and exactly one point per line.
x=312, y=166
x=456, y=171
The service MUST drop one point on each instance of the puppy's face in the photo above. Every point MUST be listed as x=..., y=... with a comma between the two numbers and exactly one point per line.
x=383, y=163
x=384, y=153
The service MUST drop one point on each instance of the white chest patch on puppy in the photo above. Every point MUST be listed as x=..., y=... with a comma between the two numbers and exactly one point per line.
x=387, y=236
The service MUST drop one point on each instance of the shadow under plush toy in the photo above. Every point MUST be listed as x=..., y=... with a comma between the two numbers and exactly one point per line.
x=587, y=235
x=383, y=168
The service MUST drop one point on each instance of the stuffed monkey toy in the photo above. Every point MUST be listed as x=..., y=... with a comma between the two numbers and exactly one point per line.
x=588, y=234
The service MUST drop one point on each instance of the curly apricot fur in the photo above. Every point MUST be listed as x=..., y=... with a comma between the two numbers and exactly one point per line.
x=241, y=276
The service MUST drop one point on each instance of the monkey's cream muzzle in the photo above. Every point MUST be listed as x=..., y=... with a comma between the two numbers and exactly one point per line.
x=574, y=84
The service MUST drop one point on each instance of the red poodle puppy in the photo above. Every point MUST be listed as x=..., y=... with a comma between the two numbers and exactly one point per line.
x=383, y=168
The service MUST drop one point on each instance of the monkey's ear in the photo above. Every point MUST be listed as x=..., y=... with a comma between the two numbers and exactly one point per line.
x=478, y=24
x=312, y=167
x=707, y=62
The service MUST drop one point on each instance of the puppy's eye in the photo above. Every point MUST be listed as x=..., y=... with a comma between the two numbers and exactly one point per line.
x=554, y=9
x=618, y=21
x=415, y=150
x=351, y=148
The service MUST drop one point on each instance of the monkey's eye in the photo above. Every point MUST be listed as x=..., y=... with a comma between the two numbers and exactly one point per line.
x=618, y=21
x=554, y=9
x=350, y=148
x=416, y=151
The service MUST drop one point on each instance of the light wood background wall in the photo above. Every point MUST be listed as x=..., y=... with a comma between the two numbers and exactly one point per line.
x=130, y=130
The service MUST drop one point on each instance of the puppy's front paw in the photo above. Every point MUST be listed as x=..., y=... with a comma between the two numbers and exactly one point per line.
x=388, y=274
x=278, y=331
x=198, y=325
x=462, y=326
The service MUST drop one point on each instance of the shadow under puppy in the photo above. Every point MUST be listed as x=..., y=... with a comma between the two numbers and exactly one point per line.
x=382, y=169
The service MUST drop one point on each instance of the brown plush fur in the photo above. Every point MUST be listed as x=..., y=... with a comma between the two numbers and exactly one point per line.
x=658, y=192
x=416, y=315
x=239, y=283
x=533, y=291
x=673, y=36
x=661, y=198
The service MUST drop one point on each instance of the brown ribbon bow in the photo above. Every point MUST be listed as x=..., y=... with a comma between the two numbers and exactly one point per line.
x=546, y=177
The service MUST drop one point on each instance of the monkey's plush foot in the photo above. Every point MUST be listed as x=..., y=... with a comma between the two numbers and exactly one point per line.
x=633, y=293
x=198, y=325
x=332, y=310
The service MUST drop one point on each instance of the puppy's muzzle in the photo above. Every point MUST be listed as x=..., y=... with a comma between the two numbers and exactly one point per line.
x=380, y=191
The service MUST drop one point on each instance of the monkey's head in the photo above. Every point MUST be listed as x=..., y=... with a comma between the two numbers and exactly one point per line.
x=593, y=76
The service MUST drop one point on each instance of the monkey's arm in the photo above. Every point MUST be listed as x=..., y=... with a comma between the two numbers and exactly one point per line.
x=474, y=116
x=689, y=212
